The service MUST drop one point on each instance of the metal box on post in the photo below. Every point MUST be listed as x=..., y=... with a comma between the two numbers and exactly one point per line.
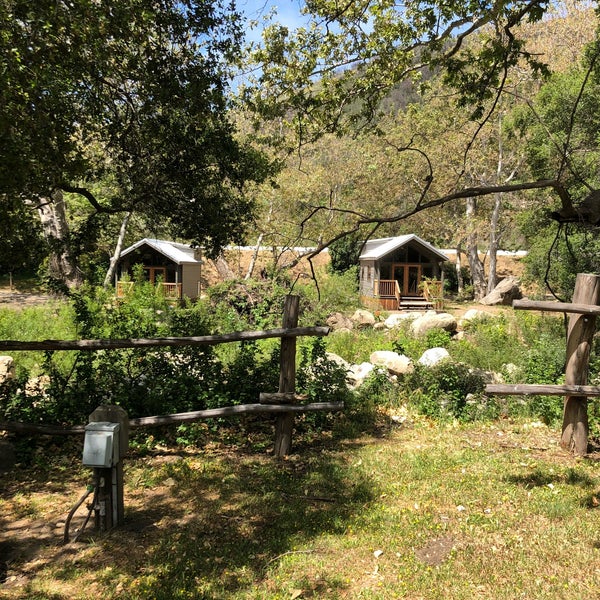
x=101, y=445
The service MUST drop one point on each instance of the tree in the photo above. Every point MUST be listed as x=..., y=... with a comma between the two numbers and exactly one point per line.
x=125, y=106
x=21, y=248
x=333, y=74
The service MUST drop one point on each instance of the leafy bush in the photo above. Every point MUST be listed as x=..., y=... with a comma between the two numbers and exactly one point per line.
x=441, y=391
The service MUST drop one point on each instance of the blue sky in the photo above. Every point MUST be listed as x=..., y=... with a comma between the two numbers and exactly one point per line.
x=288, y=12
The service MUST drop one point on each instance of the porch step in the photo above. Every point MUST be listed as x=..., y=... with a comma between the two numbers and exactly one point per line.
x=415, y=303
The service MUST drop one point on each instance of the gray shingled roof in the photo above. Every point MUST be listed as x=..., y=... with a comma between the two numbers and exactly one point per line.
x=376, y=249
x=178, y=253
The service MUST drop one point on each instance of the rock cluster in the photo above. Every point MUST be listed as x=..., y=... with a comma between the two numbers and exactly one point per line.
x=393, y=363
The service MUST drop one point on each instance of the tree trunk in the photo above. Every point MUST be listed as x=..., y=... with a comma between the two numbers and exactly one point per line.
x=475, y=264
x=62, y=264
x=223, y=268
x=254, y=257
x=110, y=273
x=459, y=275
x=494, y=243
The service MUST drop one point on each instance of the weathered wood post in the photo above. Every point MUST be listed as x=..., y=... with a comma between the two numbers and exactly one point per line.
x=580, y=335
x=287, y=377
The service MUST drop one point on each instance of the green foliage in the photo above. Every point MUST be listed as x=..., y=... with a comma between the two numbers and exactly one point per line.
x=334, y=292
x=344, y=253
x=149, y=133
x=441, y=391
x=252, y=303
x=319, y=377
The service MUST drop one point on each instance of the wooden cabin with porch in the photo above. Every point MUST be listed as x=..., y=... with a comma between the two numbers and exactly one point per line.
x=401, y=272
x=176, y=267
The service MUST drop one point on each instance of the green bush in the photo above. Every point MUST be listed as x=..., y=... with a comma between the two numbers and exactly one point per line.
x=442, y=391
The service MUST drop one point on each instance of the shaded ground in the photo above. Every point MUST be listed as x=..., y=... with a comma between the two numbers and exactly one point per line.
x=218, y=521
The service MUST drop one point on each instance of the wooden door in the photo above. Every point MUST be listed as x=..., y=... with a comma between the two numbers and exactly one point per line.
x=408, y=277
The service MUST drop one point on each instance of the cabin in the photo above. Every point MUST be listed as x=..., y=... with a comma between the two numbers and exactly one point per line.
x=401, y=272
x=176, y=267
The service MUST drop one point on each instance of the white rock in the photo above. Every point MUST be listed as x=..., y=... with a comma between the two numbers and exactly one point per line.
x=363, y=318
x=338, y=360
x=433, y=320
x=358, y=373
x=397, y=319
x=433, y=356
x=395, y=363
x=7, y=368
x=473, y=313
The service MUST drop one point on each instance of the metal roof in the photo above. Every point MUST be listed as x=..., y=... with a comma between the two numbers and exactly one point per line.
x=376, y=249
x=178, y=253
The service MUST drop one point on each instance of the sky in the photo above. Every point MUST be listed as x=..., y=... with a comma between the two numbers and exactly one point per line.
x=288, y=13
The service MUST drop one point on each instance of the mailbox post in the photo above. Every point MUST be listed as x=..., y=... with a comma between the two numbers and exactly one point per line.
x=105, y=444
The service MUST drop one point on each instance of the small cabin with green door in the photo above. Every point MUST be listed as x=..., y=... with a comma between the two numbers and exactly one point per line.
x=176, y=267
x=401, y=272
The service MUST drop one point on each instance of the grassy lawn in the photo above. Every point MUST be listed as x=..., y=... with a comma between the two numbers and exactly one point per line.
x=418, y=511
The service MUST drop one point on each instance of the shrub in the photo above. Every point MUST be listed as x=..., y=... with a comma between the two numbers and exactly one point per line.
x=441, y=391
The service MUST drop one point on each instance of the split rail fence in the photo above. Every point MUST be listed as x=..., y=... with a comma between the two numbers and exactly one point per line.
x=580, y=335
x=284, y=403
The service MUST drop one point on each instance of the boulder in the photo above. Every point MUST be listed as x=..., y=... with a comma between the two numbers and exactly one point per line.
x=7, y=368
x=338, y=360
x=504, y=293
x=397, y=319
x=474, y=315
x=433, y=356
x=358, y=373
x=395, y=363
x=432, y=320
x=337, y=321
x=363, y=318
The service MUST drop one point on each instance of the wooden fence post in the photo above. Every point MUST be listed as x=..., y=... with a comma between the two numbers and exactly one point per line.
x=287, y=377
x=580, y=335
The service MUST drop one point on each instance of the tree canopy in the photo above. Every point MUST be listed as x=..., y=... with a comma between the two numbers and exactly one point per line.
x=125, y=104
x=334, y=74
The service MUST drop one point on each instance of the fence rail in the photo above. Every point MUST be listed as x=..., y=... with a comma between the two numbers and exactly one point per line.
x=288, y=400
x=204, y=340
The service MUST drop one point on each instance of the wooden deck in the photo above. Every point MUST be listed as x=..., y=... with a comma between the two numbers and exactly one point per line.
x=387, y=296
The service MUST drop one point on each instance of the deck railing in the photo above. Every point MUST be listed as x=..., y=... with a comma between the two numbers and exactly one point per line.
x=171, y=290
x=387, y=288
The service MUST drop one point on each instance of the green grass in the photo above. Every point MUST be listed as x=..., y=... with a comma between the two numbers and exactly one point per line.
x=420, y=511
x=53, y=320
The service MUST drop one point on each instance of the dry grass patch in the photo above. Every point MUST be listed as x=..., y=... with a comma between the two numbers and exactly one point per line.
x=423, y=511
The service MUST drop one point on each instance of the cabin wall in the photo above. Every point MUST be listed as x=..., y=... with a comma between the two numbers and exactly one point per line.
x=190, y=278
x=369, y=272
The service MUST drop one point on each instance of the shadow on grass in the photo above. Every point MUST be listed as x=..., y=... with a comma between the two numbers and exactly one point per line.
x=205, y=526
x=541, y=478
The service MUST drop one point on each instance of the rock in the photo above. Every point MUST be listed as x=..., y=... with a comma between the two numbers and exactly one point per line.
x=432, y=320
x=487, y=376
x=397, y=319
x=363, y=318
x=7, y=368
x=37, y=386
x=339, y=321
x=504, y=293
x=433, y=356
x=379, y=326
x=358, y=373
x=472, y=315
x=395, y=363
x=338, y=360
